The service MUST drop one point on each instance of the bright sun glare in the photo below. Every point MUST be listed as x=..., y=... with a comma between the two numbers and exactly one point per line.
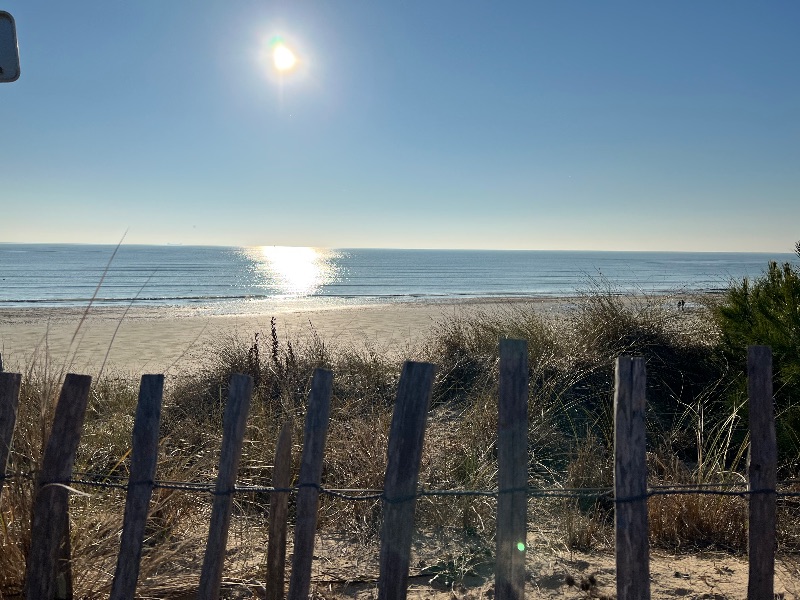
x=283, y=58
x=293, y=271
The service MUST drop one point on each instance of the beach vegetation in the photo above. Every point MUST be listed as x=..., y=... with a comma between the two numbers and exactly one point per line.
x=694, y=422
x=766, y=311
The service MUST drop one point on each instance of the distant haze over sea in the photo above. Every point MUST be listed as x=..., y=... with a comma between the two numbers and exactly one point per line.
x=225, y=279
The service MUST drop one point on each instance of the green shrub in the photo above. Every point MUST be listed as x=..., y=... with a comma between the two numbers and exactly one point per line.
x=766, y=312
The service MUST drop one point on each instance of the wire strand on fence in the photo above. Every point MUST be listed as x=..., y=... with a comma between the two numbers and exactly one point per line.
x=110, y=481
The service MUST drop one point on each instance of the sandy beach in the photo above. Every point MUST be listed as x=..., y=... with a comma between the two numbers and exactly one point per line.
x=173, y=340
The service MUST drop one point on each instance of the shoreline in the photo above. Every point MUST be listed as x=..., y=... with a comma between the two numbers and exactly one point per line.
x=173, y=340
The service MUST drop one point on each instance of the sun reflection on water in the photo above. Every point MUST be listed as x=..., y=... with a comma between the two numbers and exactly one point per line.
x=294, y=271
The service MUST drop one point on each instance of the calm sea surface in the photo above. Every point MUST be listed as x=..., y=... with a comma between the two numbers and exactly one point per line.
x=233, y=279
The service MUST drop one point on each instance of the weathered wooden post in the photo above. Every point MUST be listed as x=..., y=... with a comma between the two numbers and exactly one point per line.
x=144, y=456
x=762, y=473
x=233, y=429
x=512, y=466
x=50, y=520
x=314, y=436
x=402, y=476
x=630, y=480
x=278, y=511
x=9, y=402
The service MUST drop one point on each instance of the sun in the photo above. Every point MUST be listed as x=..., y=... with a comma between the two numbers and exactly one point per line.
x=283, y=58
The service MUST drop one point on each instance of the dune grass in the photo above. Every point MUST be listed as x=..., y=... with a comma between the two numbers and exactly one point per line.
x=694, y=433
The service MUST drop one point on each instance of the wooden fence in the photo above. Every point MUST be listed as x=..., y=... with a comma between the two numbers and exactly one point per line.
x=48, y=573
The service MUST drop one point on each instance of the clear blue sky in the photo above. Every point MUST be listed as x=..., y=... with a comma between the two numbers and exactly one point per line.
x=436, y=124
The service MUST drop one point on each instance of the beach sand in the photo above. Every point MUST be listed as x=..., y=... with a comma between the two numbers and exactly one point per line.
x=174, y=340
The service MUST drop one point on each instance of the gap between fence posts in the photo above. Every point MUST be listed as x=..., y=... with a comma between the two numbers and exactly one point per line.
x=144, y=456
x=762, y=473
x=278, y=511
x=50, y=519
x=406, y=435
x=233, y=428
x=9, y=403
x=512, y=466
x=314, y=435
x=630, y=480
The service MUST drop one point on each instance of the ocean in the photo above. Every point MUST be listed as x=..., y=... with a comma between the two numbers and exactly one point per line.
x=233, y=280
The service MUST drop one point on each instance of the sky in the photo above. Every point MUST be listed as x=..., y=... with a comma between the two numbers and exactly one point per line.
x=436, y=124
